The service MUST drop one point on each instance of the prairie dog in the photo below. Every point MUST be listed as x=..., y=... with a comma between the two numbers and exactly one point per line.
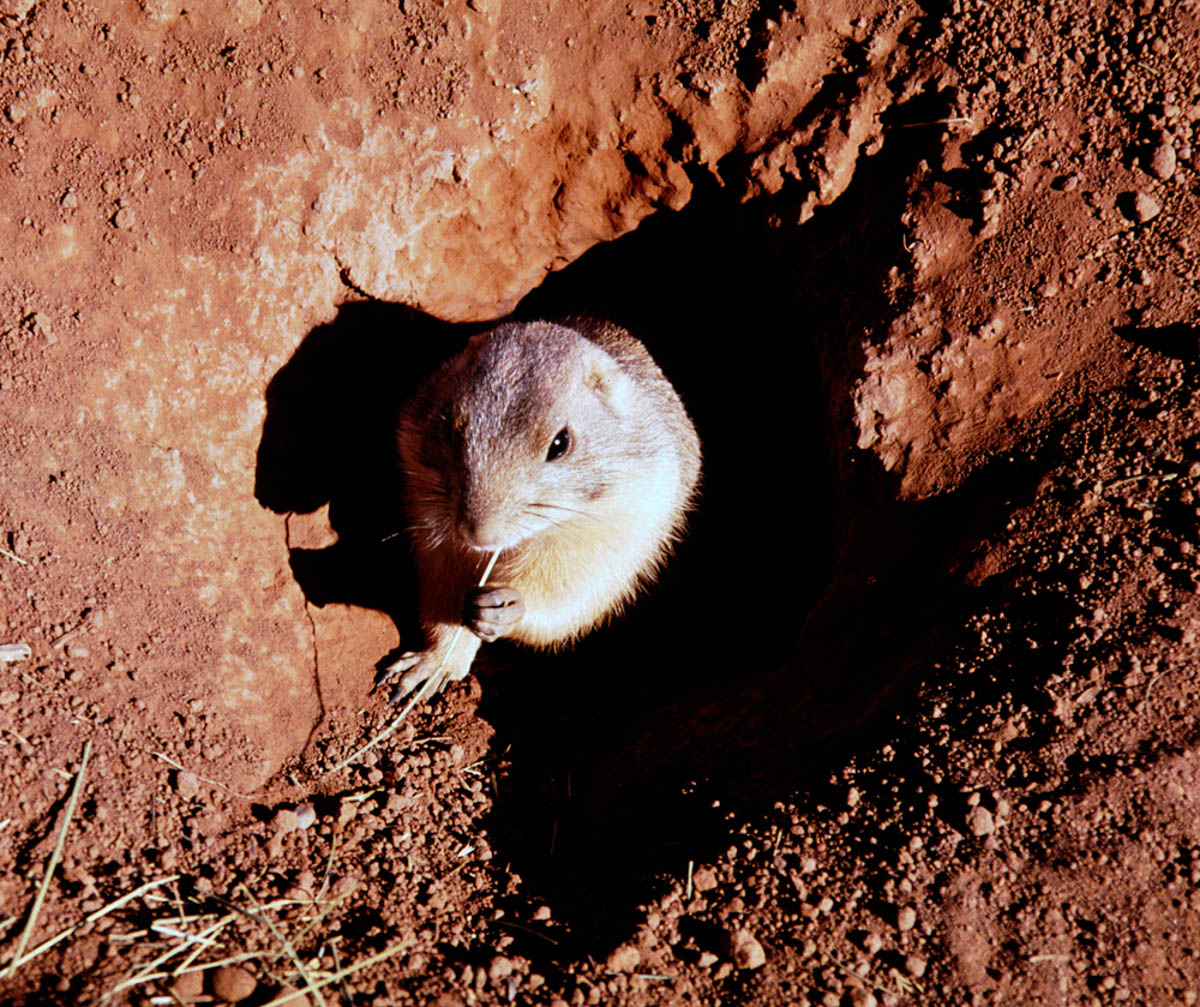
x=562, y=445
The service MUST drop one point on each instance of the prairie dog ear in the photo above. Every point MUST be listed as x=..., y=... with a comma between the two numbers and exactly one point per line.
x=605, y=378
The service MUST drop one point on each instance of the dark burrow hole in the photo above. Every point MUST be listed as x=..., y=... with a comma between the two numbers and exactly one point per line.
x=796, y=609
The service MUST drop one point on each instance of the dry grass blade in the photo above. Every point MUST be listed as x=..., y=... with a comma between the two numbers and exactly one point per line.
x=53, y=863
x=113, y=906
x=431, y=685
x=148, y=971
x=337, y=977
x=216, y=783
x=287, y=946
x=14, y=557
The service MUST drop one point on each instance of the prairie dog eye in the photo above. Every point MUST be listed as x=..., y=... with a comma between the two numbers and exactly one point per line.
x=560, y=445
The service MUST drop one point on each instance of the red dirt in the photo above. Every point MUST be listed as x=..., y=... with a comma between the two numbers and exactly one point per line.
x=911, y=717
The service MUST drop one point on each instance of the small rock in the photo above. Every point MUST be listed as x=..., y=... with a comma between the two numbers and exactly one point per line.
x=1162, y=161
x=706, y=960
x=980, y=822
x=8, y=697
x=626, y=958
x=232, y=983
x=39, y=324
x=745, y=950
x=906, y=918
x=500, y=968
x=1145, y=207
x=124, y=218
x=15, y=8
x=306, y=816
x=187, y=785
x=863, y=998
x=872, y=942
x=852, y=798
x=344, y=886
x=915, y=966
x=77, y=651
x=70, y=201
x=10, y=652
x=286, y=820
x=189, y=986
x=541, y=914
x=704, y=880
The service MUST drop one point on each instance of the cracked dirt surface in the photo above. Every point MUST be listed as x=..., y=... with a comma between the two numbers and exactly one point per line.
x=925, y=277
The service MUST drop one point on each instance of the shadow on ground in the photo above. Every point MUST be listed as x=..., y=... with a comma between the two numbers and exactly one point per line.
x=615, y=751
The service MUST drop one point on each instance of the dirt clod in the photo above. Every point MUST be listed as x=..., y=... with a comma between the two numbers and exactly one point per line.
x=1145, y=207
x=187, y=784
x=189, y=986
x=980, y=822
x=626, y=958
x=233, y=983
x=745, y=950
x=1163, y=161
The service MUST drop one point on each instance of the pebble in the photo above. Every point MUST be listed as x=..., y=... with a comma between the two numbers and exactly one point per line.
x=1162, y=161
x=863, y=998
x=286, y=820
x=872, y=942
x=704, y=880
x=706, y=960
x=541, y=914
x=915, y=966
x=344, y=886
x=1145, y=207
x=626, y=958
x=189, y=986
x=745, y=950
x=980, y=822
x=500, y=968
x=187, y=785
x=232, y=983
x=306, y=816
x=124, y=218
x=906, y=918
x=10, y=652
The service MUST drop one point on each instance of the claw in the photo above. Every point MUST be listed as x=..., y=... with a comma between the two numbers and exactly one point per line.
x=405, y=661
x=409, y=683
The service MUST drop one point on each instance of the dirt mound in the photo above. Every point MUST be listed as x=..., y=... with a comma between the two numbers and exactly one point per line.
x=910, y=716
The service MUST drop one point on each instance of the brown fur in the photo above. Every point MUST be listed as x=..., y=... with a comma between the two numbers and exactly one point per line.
x=581, y=534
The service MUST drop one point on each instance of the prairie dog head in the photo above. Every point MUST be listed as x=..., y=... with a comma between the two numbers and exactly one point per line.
x=531, y=427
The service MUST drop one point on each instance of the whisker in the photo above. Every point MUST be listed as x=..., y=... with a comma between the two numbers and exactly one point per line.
x=559, y=507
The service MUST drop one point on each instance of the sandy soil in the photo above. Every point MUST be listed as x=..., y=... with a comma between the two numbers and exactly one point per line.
x=911, y=716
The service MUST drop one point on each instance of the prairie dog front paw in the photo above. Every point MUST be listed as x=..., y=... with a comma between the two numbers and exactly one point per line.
x=493, y=611
x=448, y=656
